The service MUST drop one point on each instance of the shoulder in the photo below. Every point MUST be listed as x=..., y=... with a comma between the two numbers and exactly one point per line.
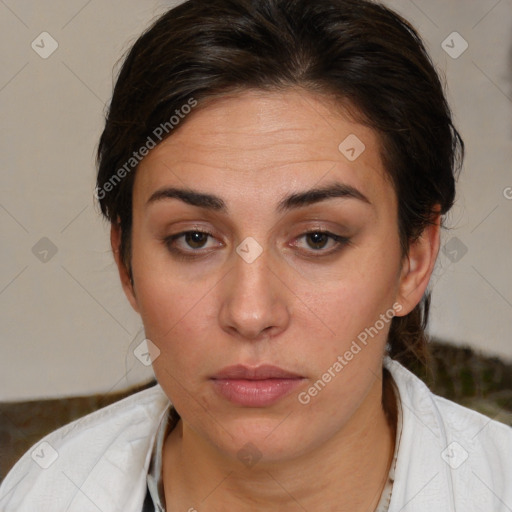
x=458, y=420
x=93, y=462
x=448, y=452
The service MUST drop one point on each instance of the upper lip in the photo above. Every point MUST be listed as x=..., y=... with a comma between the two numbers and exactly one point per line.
x=262, y=372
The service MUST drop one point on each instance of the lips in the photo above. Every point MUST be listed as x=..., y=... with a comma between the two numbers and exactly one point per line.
x=255, y=387
x=259, y=373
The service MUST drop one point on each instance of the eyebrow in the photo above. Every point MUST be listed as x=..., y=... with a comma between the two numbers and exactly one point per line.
x=207, y=201
x=294, y=201
x=316, y=195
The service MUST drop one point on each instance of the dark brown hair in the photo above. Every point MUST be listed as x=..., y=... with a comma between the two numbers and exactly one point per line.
x=358, y=51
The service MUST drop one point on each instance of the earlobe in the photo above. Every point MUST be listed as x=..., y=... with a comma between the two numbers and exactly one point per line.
x=124, y=272
x=418, y=266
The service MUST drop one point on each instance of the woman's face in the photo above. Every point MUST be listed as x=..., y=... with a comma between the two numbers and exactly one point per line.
x=259, y=240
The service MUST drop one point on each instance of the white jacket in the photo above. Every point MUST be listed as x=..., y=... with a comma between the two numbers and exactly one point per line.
x=450, y=459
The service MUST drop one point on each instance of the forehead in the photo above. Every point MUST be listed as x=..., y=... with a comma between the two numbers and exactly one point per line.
x=266, y=141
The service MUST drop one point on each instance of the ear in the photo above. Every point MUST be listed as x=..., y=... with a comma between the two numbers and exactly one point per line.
x=124, y=273
x=418, y=266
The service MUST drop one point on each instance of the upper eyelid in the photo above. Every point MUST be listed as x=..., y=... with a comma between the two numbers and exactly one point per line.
x=209, y=233
x=186, y=231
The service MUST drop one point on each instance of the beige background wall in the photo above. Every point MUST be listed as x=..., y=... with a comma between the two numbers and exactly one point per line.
x=66, y=328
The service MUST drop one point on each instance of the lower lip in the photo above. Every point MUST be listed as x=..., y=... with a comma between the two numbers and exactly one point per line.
x=255, y=393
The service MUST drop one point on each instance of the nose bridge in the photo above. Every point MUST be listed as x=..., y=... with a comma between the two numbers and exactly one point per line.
x=252, y=278
x=253, y=300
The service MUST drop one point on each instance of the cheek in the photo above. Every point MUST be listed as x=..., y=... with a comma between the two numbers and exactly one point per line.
x=356, y=313
x=175, y=312
x=351, y=299
x=164, y=298
x=176, y=319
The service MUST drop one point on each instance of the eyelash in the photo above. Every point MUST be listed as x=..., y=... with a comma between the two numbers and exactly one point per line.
x=340, y=242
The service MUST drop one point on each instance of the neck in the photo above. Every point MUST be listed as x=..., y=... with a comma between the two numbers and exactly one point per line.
x=346, y=473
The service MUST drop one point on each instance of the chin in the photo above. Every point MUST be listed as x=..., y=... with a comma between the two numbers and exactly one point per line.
x=267, y=440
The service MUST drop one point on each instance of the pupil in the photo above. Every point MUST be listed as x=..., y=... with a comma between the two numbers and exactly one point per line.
x=317, y=240
x=195, y=239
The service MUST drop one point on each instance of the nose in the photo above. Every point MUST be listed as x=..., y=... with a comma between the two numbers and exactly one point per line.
x=254, y=300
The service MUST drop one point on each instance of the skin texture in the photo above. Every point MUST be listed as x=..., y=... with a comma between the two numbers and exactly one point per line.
x=296, y=306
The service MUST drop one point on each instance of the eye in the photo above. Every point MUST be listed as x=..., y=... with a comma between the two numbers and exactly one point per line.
x=317, y=240
x=196, y=239
x=189, y=242
x=321, y=241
